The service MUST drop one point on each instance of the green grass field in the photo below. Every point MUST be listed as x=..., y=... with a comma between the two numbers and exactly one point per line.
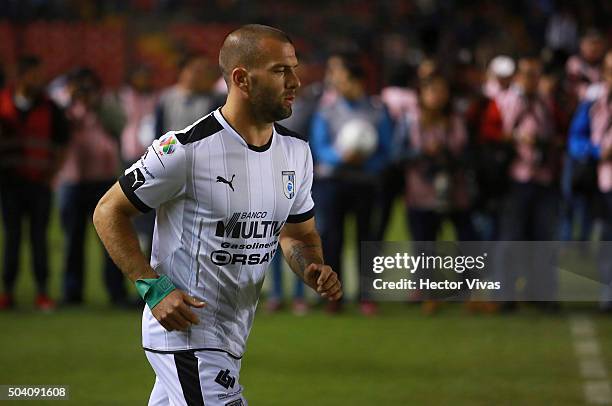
x=397, y=358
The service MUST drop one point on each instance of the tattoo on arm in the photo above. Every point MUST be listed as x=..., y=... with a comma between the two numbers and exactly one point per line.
x=302, y=254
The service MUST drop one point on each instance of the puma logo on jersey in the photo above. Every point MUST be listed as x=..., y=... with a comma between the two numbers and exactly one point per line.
x=221, y=179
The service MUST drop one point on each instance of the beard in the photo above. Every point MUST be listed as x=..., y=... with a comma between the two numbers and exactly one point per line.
x=267, y=106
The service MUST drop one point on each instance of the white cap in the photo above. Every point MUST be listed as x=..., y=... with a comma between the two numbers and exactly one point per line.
x=502, y=66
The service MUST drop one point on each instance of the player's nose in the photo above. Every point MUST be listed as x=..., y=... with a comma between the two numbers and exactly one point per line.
x=293, y=81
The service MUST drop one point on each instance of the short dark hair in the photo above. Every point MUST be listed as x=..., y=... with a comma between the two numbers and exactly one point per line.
x=434, y=78
x=592, y=33
x=241, y=47
x=85, y=78
x=352, y=63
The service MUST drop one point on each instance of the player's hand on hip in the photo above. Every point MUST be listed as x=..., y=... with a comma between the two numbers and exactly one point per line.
x=324, y=280
x=173, y=311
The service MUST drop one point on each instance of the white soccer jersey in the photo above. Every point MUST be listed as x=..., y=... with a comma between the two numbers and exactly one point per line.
x=220, y=206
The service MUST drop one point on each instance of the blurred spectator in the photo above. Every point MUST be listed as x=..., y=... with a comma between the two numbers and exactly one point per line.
x=436, y=178
x=579, y=195
x=436, y=185
x=32, y=138
x=138, y=100
x=500, y=73
x=466, y=84
x=584, y=69
x=530, y=209
x=489, y=153
x=59, y=91
x=579, y=191
x=350, y=139
x=427, y=68
x=400, y=100
x=91, y=167
x=590, y=144
x=191, y=98
x=494, y=153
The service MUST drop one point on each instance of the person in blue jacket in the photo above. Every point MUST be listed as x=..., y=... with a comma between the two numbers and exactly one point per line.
x=590, y=147
x=350, y=138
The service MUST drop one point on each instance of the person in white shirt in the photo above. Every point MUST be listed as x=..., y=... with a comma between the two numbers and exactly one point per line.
x=227, y=191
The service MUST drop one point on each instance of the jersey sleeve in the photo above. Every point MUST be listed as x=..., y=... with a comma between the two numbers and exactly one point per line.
x=158, y=176
x=303, y=206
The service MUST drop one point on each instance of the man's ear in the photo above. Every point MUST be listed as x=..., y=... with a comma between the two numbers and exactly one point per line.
x=240, y=79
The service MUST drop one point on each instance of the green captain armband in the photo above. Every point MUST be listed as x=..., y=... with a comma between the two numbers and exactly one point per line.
x=154, y=290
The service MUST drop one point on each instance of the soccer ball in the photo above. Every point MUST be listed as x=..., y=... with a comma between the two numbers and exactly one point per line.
x=357, y=136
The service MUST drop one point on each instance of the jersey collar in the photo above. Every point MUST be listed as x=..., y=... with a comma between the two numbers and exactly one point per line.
x=232, y=130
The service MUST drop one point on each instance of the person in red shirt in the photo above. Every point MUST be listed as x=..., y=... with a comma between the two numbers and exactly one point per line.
x=32, y=136
x=529, y=208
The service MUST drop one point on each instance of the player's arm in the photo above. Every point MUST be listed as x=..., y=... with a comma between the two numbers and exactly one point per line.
x=112, y=220
x=302, y=250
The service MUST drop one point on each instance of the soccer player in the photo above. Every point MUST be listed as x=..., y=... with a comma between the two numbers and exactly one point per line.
x=227, y=191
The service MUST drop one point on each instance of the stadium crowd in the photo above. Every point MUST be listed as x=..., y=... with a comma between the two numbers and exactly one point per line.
x=509, y=143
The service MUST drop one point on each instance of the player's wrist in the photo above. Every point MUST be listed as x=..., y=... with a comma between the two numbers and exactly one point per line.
x=314, y=265
x=312, y=272
x=154, y=290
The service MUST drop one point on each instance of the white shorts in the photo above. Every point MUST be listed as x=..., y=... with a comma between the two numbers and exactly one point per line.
x=195, y=378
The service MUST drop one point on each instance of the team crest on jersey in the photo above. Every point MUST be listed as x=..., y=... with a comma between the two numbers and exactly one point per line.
x=289, y=184
x=167, y=145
